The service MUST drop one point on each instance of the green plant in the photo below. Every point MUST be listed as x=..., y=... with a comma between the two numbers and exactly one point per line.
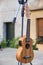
x=37, y=42
x=14, y=42
x=4, y=43
x=34, y=47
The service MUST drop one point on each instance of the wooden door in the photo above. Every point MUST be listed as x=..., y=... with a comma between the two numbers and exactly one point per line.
x=40, y=27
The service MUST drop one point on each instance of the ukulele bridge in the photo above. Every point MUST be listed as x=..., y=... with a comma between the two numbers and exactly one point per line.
x=27, y=57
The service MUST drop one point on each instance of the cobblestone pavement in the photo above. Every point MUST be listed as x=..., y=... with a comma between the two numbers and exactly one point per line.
x=8, y=57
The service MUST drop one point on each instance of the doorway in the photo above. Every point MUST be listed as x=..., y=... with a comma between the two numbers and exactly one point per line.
x=9, y=30
x=40, y=26
x=40, y=29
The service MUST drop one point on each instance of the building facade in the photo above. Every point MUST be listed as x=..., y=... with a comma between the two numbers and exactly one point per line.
x=9, y=30
x=37, y=20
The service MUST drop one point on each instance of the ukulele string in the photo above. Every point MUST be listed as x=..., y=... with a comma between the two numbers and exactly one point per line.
x=28, y=50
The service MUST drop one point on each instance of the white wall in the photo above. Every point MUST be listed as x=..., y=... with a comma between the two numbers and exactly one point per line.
x=7, y=13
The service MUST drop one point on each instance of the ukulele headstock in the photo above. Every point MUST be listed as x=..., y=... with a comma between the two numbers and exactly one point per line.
x=27, y=11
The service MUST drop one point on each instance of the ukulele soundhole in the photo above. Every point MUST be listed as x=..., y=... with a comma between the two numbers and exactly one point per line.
x=27, y=46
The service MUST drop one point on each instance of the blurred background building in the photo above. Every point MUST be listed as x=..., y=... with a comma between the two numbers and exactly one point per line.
x=7, y=14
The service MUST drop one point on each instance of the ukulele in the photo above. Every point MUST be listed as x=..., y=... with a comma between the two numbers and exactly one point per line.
x=25, y=52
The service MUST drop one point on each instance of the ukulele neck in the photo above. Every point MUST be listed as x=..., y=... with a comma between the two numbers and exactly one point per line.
x=28, y=31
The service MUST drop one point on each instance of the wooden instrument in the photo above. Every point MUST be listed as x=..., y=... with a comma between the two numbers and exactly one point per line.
x=25, y=52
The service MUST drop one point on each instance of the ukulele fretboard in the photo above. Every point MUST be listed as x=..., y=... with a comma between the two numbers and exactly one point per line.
x=28, y=31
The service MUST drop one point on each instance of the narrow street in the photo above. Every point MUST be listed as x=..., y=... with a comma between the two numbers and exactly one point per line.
x=8, y=57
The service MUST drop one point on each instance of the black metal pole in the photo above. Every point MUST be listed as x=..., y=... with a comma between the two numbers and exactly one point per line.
x=22, y=14
x=22, y=27
x=14, y=20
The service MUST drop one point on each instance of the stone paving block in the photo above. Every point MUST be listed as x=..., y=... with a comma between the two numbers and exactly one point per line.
x=8, y=57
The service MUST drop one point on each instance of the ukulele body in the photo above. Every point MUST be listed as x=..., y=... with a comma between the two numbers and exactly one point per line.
x=23, y=54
